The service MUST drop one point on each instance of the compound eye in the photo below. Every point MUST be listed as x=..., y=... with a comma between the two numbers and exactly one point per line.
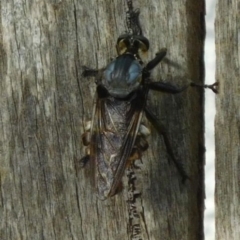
x=142, y=46
x=122, y=46
x=143, y=43
x=123, y=43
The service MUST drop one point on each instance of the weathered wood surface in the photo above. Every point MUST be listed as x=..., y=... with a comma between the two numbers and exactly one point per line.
x=43, y=105
x=227, y=121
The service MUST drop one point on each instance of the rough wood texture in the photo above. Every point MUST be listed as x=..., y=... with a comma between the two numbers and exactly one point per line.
x=228, y=121
x=44, y=103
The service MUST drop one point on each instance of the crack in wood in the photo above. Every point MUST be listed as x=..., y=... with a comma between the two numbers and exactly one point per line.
x=136, y=222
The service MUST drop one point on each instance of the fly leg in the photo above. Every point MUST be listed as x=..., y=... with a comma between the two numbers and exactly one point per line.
x=141, y=143
x=141, y=140
x=159, y=86
x=86, y=138
x=154, y=62
x=169, y=88
x=89, y=72
x=166, y=87
x=161, y=129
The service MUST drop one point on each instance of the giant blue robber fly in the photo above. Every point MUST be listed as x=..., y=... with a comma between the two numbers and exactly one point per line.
x=115, y=135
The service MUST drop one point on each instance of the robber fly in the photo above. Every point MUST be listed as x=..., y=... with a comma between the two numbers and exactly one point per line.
x=115, y=134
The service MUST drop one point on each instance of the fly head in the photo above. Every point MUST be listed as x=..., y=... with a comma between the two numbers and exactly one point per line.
x=133, y=44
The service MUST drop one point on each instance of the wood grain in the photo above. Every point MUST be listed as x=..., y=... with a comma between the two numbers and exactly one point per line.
x=227, y=122
x=45, y=102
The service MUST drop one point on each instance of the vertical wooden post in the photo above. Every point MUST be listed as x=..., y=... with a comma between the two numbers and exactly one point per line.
x=44, y=102
x=227, y=121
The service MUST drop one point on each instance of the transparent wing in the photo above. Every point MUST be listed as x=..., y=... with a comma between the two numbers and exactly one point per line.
x=114, y=130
